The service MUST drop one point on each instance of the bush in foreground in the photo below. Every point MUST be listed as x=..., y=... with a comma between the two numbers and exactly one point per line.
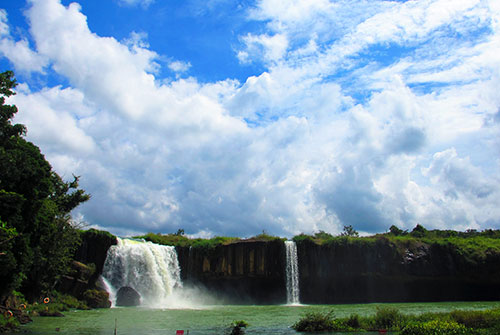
x=388, y=318
x=437, y=327
x=458, y=322
x=96, y=299
x=315, y=322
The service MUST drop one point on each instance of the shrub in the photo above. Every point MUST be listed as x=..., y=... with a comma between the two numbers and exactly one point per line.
x=477, y=319
x=437, y=327
x=353, y=321
x=303, y=238
x=68, y=301
x=388, y=318
x=97, y=299
x=8, y=323
x=315, y=322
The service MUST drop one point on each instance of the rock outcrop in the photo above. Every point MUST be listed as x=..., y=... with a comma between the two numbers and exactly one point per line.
x=127, y=296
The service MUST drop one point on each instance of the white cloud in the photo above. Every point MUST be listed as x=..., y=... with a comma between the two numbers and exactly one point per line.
x=19, y=53
x=269, y=48
x=179, y=67
x=55, y=119
x=143, y=3
x=328, y=135
x=4, y=27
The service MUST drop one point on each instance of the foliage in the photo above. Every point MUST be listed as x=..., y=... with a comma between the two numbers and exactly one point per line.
x=419, y=231
x=315, y=322
x=396, y=231
x=96, y=299
x=437, y=327
x=8, y=323
x=349, y=231
x=388, y=318
x=236, y=327
x=57, y=303
x=266, y=237
x=304, y=238
x=321, y=235
x=485, y=322
x=477, y=319
x=94, y=234
x=37, y=237
x=210, y=244
x=353, y=321
x=179, y=240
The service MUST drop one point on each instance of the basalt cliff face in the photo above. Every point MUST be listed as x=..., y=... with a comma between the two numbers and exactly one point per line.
x=381, y=271
x=242, y=272
x=346, y=270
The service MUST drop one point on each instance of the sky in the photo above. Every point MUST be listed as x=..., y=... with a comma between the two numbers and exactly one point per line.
x=237, y=117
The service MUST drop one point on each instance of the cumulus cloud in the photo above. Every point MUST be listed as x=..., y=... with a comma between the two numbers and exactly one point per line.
x=19, y=53
x=330, y=134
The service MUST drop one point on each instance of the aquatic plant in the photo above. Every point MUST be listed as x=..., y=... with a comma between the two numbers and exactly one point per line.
x=237, y=327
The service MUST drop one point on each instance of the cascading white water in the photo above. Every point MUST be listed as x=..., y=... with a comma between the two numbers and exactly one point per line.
x=150, y=269
x=292, y=273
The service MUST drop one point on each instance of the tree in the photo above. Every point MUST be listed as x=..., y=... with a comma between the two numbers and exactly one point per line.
x=36, y=235
x=396, y=231
x=349, y=231
x=419, y=231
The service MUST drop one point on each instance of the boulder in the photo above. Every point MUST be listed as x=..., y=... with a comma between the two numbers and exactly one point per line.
x=127, y=296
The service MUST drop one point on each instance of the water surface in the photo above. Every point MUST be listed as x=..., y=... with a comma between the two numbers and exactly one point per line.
x=209, y=320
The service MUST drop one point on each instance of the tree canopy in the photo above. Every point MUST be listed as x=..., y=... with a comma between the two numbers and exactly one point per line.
x=37, y=237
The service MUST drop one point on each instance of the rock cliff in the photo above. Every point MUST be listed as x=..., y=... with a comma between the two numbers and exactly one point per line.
x=343, y=270
x=242, y=272
x=88, y=262
x=381, y=271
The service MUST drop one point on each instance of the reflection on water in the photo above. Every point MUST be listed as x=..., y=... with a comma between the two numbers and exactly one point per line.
x=212, y=319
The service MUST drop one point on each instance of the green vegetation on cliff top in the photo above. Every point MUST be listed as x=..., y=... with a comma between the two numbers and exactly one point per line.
x=472, y=245
x=178, y=239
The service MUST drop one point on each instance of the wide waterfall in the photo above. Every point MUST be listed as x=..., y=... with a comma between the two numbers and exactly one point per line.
x=150, y=269
x=292, y=273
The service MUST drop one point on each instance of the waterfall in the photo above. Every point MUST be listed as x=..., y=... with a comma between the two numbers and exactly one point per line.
x=292, y=273
x=150, y=269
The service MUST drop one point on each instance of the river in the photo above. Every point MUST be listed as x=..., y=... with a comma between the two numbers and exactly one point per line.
x=275, y=319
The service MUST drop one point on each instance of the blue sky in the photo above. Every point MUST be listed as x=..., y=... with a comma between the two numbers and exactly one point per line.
x=234, y=117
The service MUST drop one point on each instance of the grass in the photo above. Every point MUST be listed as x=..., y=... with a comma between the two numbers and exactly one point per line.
x=472, y=247
x=57, y=303
x=183, y=241
x=178, y=240
x=458, y=322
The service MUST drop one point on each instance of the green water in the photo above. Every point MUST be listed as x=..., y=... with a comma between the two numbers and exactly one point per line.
x=213, y=319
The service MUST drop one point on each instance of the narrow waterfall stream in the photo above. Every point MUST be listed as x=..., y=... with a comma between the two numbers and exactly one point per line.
x=150, y=269
x=292, y=273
